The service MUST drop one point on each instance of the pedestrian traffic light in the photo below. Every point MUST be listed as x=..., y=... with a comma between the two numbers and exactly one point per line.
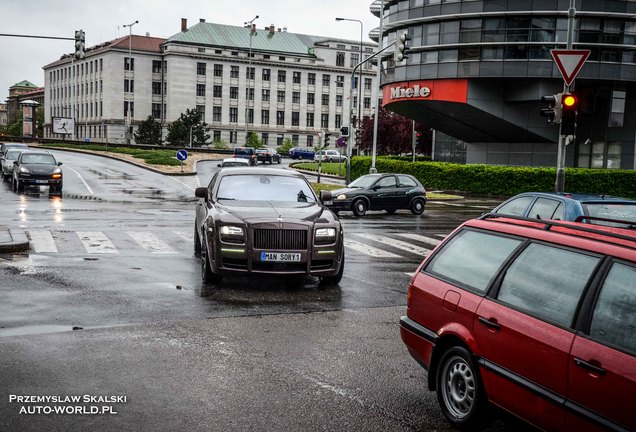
x=358, y=137
x=80, y=44
x=568, y=119
x=554, y=110
x=327, y=137
x=344, y=131
x=401, y=47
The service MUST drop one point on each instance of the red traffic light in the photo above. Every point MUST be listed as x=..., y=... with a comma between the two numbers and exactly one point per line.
x=570, y=101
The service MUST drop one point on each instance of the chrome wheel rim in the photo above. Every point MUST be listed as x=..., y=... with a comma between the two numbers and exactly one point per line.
x=458, y=387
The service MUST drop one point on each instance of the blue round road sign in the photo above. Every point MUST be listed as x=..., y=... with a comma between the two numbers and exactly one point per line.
x=341, y=142
x=182, y=155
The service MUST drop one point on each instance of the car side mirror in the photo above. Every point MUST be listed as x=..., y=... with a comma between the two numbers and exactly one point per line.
x=201, y=192
x=15, y=162
x=59, y=164
x=219, y=165
x=325, y=195
x=376, y=187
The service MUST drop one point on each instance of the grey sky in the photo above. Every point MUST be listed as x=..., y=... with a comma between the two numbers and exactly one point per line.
x=23, y=58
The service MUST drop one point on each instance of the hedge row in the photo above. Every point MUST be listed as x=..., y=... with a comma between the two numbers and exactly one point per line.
x=503, y=180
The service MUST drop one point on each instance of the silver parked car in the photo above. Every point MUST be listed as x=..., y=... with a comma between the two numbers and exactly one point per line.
x=7, y=162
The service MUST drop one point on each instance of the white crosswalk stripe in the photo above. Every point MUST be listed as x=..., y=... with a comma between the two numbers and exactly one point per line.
x=151, y=242
x=398, y=244
x=41, y=241
x=96, y=242
x=368, y=250
x=420, y=238
x=185, y=235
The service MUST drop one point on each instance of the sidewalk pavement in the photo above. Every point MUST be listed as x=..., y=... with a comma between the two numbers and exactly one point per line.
x=13, y=240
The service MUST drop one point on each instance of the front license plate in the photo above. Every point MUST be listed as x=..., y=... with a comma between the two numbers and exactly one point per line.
x=41, y=181
x=280, y=256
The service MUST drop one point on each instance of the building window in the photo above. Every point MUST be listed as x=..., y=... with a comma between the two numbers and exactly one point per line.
x=233, y=115
x=326, y=78
x=282, y=76
x=311, y=78
x=129, y=86
x=366, y=103
x=200, y=89
x=126, y=105
x=368, y=82
x=340, y=81
x=310, y=119
x=295, y=139
x=265, y=117
x=234, y=92
x=156, y=66
x=338, y=100
x=217, y=91
x=311, y=98
x=217, y=114
x=280, y=118
x=249, y=94
x=325, y=99
x=234, y=71
x=129, y=64
x=266, y=75
x=295, y=118
x=250, y=72
x=280, y=138
x=617, y=114
x=338, y=120
x=156, y=88
x=340, y=59
x=265, y=138
x=250, y=115
x=296, y=97
x=354, y=102
x=281, y=96
x=156, y=110
x=265, y=95
x=200, y=68
x=233, y=136
x=324, y=121
x=218, y=70
x=296, y=78
x=355, y=59
x=216, y=135
x=310, y=140
x=201, y=111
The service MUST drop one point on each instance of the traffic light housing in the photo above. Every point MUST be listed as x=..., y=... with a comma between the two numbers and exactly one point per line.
x=401, y=47
x=327, y=139
x=344, y=131
x=80, y=44
x=358, y=137
x=554, y=110
x=568, y=120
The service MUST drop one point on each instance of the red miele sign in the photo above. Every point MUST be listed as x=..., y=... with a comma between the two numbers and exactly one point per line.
x=450, y=90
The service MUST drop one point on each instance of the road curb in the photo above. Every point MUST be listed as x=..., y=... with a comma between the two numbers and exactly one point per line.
x=19, y=241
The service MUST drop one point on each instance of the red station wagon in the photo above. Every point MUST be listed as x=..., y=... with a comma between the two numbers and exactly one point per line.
x=535, y=317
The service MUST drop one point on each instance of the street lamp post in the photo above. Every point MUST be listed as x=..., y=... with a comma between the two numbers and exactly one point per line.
x=359, y=122
x=249, y=75
x=377, y=96
x=130, y=68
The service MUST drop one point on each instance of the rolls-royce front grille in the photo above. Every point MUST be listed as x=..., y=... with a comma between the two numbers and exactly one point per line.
x=280, y=239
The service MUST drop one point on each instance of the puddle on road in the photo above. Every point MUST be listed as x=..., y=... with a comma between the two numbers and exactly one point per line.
x=34, y=329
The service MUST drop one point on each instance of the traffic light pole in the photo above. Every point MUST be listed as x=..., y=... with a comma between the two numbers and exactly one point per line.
x=559, y=184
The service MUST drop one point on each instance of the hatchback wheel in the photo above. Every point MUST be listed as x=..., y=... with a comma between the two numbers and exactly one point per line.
x=459, y=390
x=207, y=275
x=197, y=242
x=417, y=206
x=359, y=207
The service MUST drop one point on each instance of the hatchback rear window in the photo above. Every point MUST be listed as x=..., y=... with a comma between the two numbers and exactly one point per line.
x=618, y=211
x=472, y=258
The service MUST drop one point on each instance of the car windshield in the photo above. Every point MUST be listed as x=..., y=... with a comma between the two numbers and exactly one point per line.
x=239, y=151
x=618, y=211
x=265, y=187
x=364, y=181
x=12, y=154
x=38, y=159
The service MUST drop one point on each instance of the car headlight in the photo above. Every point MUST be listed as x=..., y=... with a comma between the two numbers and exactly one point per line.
x=24, y=170
x=232, y=234
x=57, y=174
x=341, y=197
x=325, y=235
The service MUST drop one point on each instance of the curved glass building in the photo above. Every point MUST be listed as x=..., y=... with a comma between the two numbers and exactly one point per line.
x=477, y=69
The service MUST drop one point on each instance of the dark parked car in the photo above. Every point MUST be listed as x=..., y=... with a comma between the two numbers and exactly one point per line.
x=37, y=168
x=537, y=317
x=5, y=146
x=246, y=153
x=388, y=192
x=266, y=221
x=590, y=208
x=301, y=153
x=267, y=155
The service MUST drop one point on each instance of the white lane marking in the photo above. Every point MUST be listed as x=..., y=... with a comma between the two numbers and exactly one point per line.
x=186, y=235
x=195, y=181
x=96, y=242
x=398, y=244
x=151, y=242
x=42, y=241
x=369, y=250
x=421, y=238
x=90, y=191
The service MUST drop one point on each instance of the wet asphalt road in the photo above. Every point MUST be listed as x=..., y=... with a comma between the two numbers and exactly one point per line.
x=113, y=259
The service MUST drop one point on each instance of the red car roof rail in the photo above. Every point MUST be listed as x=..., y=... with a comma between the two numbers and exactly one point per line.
x=547, y=224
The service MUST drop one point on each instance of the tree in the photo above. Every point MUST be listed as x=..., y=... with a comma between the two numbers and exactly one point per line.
x=394, y=134
x=149, y=132
x=284, y=148
x=15, y=129
x=179, y=130
x=253, y=140
x=219, y=144
x=40, y=126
